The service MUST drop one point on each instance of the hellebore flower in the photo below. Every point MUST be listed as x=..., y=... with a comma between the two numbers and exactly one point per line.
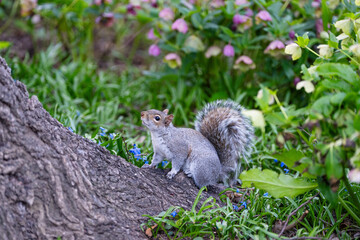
x=270, y=101
x=217, y=3
x=316, y=3
x=173, y=60
x=150, y=35
x=180, y=25
x=292, y=34
x=296, y=80
x=344, y=25
x=307, y=85
x=27, y=7
x=275, y=48
x=244, y=63
x=167, y=14
x=294, y=50
x=325, y=50
x=229, y=50
x=355, y=49
x=249, y=12
x=354, y=175
x=154, y=50
x=263, y=16
x=238, y=19
x=241, y=2
x=212, y=51
x=131, y=9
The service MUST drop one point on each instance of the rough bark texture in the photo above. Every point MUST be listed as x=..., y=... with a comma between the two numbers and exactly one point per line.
x=54, y=183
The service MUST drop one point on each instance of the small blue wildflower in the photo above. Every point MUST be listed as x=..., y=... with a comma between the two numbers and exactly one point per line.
x=244, y=204
x=266, y=194
x=276, y=161
x=286, y=170
x=77, y=112
x=102, y=129
x=237, y=190
x=136, y=151
x=345, y=190
x=174, y=213
x=70, y=129
x=235, y=207
x=111, y=136
x=282, y=164
x=107, y=145
x=103, y=134
x=146, y=162
x=99, y=143
x=163, y=163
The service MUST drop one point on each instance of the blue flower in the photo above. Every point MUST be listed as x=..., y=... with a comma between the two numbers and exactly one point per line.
x=237, y=190
x=282, y=164
x=111, y=136
x=164, y=163
x=102, y=129
x=103, y=134
x=99, y=143
x=286, y=170
x=235, y=207
x=174, y=213
x=266, y=194
x=244, y=204
x=146, y=162
x=107, y=145
x=70, y=129
x=275, y=160
x=77, y=112
x=137, y=153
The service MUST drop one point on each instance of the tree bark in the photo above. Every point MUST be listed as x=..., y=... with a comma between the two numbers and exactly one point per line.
x=54, y=183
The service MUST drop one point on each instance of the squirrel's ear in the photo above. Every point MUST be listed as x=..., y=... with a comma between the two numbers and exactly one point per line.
x=168, y=119
x=166, y=111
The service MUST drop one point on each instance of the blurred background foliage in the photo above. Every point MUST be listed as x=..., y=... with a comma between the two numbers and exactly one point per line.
x=293, y=64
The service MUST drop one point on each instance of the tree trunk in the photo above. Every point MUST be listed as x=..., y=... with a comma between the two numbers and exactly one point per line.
x=54, y=183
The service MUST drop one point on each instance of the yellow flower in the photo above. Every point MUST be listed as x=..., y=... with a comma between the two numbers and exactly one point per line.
x=294, y=50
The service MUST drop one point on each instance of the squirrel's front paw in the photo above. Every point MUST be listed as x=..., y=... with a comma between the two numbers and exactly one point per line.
x=171, y=174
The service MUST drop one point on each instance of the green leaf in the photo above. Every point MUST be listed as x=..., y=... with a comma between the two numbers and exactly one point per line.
x=4, y=45
x=196, y=20
x=338, y=98
x=277, y=185
x=227, y=31
x=332, y=164
x=333, y=41
x=292, y=159
x=340, y=70
x=357, y=122
x=303, y=41
x=322, y=106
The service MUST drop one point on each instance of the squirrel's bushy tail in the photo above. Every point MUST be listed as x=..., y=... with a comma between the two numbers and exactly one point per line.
x=231, y=133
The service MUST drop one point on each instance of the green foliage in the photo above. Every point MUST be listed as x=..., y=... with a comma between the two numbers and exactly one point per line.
x=278, y=185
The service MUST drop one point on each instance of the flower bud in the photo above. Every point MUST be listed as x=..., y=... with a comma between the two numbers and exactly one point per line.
x=229, y=50
x=180, y=25
x=173, y=60
x=154, y=50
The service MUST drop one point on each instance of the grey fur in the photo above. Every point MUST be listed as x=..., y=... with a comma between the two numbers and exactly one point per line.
x=230, y=132
x=208, y=155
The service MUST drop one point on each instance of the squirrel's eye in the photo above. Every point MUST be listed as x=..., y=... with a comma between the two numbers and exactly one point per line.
x=157, y=118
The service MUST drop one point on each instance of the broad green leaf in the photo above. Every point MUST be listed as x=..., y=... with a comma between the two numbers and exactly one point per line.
x=292, y=159
x=322, y=106
x=277, y=185
x=340, y=70
x=4, y=45
x=337, y=98
x=357, y=122
x=227, y=31
x=332, y=164
x=276, y=118
x=196, y=20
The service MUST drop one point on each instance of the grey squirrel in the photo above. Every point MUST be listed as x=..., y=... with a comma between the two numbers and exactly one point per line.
x=209, y=154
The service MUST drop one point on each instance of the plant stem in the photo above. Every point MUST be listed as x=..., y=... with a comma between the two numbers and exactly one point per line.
x=354, y=198
x=314, y=52
x=356, y=218
x=343, y=52
x=281, y=107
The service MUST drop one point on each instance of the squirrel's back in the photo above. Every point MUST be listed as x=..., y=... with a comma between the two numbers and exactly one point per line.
x=224, y=125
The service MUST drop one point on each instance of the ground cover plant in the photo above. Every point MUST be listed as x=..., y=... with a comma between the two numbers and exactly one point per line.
x=293, y=64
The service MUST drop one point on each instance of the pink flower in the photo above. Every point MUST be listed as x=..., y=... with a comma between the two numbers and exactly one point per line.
x=249, y=12
x=241, y=2
x=173, y=60
x=150, y=35
x=180, y=25
x=97, y=2
x=319, y=26
x=316, y=3
x=245, y=22
x=277, y=44
x=263, y=16
x=238, y=19
x=217, y=3
x=167, y=14
x=244, y=63
x=229, y=50
x=154, y=50
x=130, y=9
x=292, y=34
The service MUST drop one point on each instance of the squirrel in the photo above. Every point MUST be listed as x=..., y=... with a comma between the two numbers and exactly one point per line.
x=209, y=154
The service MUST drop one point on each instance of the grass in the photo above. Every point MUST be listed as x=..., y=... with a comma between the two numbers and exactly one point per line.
x=85, y=99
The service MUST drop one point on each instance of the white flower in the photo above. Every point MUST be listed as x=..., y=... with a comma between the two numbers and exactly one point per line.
x=294, y=50
x=355, y=49
x=344, y=25
x=307, y=85
x=325, y=50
